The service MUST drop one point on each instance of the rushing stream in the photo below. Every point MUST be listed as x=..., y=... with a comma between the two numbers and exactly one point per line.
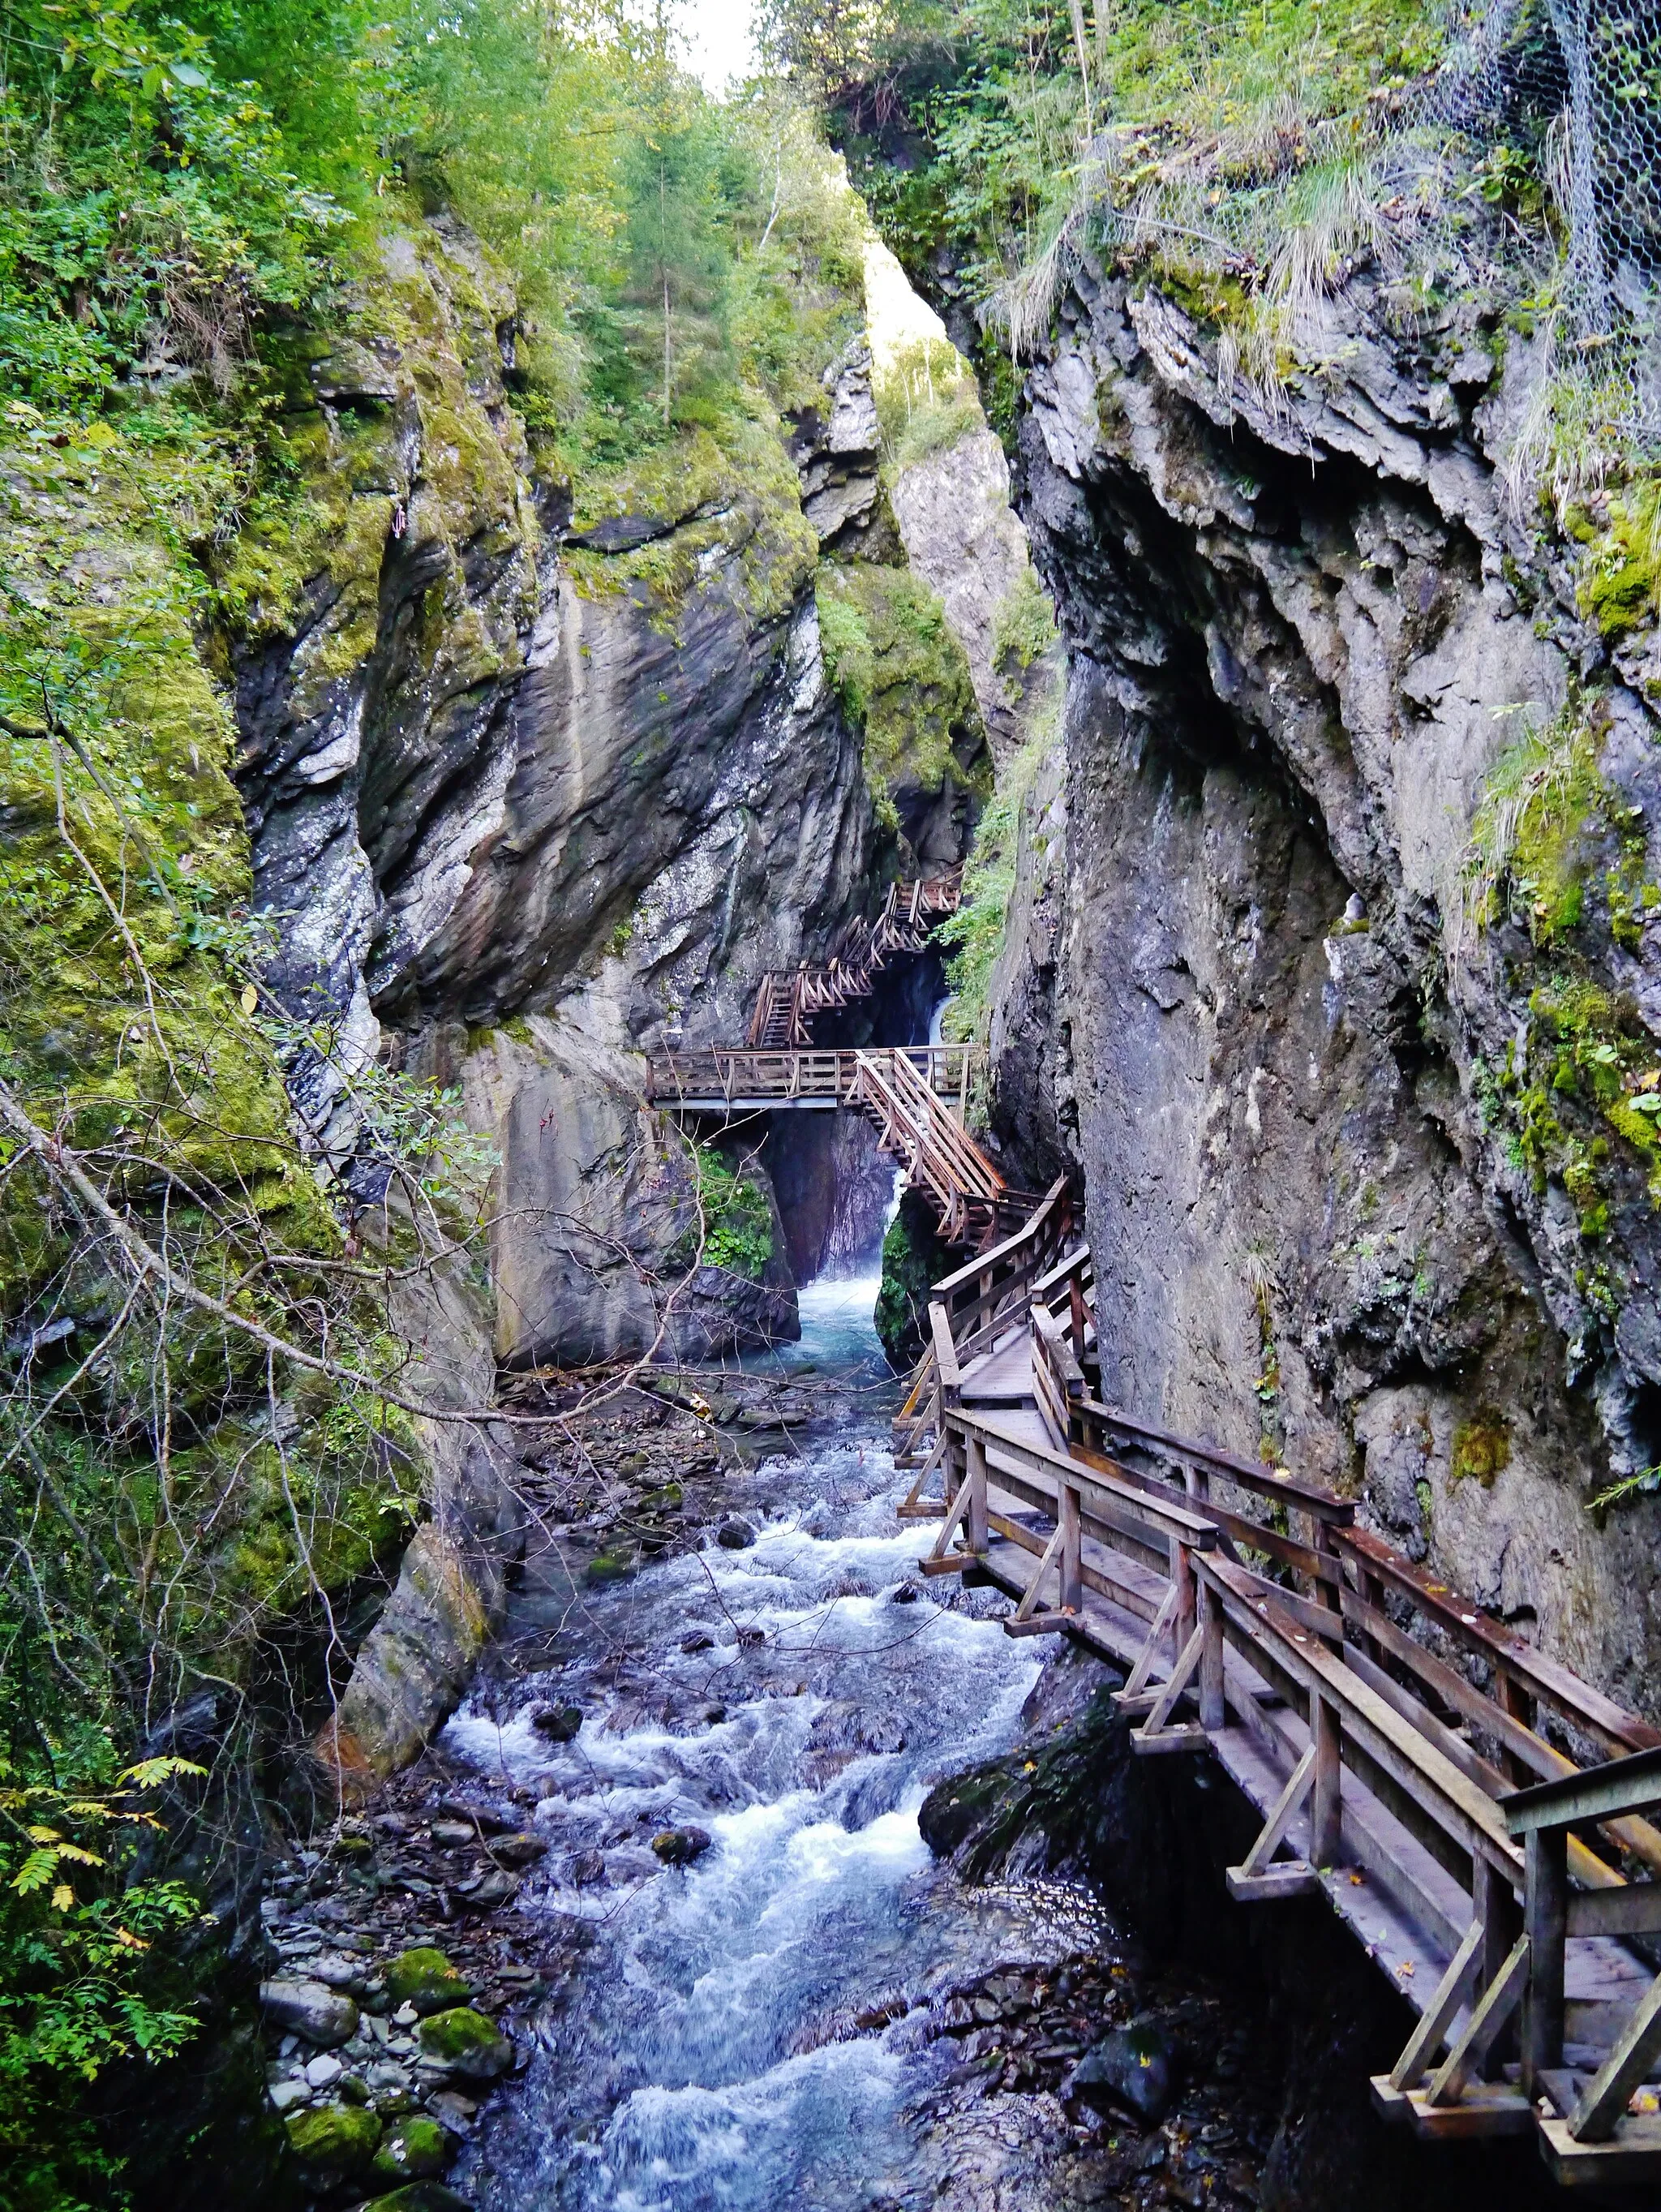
x=757, y=2028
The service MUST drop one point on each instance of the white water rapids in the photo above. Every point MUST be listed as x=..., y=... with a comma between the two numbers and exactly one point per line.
x=710, y=2055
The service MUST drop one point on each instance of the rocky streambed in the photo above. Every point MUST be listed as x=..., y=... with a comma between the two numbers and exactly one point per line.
x=756, y=1872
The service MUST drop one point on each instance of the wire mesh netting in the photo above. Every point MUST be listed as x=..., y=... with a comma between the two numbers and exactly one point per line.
x=1520, y=158
x=1571, y=89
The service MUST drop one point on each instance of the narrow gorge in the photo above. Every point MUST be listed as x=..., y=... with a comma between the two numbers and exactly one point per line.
x=830, y=993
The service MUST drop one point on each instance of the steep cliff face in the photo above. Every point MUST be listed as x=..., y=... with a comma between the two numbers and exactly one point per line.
x=1349, y=1069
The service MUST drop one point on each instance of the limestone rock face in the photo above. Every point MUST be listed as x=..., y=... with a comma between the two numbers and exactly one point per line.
x=1241, y=989
x=599, y=1239
x=963, y=537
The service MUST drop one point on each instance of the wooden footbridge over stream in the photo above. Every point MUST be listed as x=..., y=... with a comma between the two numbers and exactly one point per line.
x=1473, y=1812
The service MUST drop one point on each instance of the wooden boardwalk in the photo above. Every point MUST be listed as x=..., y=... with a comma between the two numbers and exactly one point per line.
x=1472, y=1813
x=787, y=998
x=916, y=1096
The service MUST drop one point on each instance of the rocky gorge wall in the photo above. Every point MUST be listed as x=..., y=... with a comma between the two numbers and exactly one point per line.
x=1357, y=1190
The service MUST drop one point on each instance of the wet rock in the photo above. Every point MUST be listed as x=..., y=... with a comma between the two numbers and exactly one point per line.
x=323, y=2071
x=479, y=1818
x=496, y=1888
x=420, y=2196
x=450, y=1833
x=464, y=2042
x=559, y=1723
x=587, y=1870
x=751, y=1639
x=1134, y=2067
x=609, y=1567
x=905, y=1595
x=321, y=2015
x=333, y=2143
x=954, y=1809
x=425, y=1980
x=416, y=2149
x=679, y=1847
x=517, y=1850
x=698, y=1641
x=735, y=1535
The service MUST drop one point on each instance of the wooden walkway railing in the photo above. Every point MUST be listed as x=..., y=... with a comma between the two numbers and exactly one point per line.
x=916, y=1096
x=1256, y=1622
x=788, y=997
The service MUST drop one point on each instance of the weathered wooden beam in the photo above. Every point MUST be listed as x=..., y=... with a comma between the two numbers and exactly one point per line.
x=1545, y=1924
x=1597, y=1793
x=1604, y=2101
x=1498, y=2001
x=1437, y=2018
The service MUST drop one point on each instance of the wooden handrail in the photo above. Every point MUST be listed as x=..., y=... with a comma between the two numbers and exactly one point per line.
x=1024, y=1237
x=1288, y=1489
x=1461, y=1619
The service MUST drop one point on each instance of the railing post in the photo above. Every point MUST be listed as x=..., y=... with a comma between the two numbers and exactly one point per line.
x=1516, y=1700
x=1325, y=1809
x=1211, y=1694
x=977, y=1495
x=1182, y=1620
x=1545, y=1923
x=1072, y=1575
x=1495, y=1904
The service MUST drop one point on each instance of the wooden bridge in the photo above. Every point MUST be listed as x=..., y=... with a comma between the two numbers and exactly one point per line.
x=1472, y=1811
x=917, y=1096
x=788, y=997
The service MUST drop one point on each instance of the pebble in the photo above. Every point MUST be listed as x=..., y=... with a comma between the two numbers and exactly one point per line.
x=323, y=2071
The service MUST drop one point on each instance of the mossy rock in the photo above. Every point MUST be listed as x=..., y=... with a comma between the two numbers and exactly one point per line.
x=464, y=2042
x=420, y=2196
x=333, y=2142
x=610, y=1567
x=412, y=2150
x=425, y=1979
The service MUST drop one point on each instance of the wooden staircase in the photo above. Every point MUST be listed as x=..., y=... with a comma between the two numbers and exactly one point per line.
x=788, y=997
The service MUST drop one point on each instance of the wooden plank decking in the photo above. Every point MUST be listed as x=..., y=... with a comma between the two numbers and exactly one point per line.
x=1383, y=1775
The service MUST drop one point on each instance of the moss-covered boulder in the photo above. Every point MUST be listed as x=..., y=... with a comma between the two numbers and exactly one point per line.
x=420, y=2196
x=333, y=2143
x=413, y=2149
x=424, y=1978
x=463, y=2041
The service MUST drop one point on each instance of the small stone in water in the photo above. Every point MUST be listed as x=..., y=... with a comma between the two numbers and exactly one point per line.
x=559, y=1723
x=749, y=1637
x=678, y=1846
x=698, y=1641
x=906, y=1594
x=735, y=1535
x=715, y=1714
x=587, y=1869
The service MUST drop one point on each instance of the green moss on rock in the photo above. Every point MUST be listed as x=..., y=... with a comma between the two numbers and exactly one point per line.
x=333, y=2142
x=424, y=1978
x=903, y=680
x=414, y=2149
x=466, y=2042
x=1481, y=1448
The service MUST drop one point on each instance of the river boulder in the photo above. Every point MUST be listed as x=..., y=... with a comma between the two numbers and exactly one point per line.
x=1133, y=2068
x=320, y=2014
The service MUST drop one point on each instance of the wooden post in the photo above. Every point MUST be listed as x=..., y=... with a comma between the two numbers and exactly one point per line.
x=1182, y=1575
x=1211, y=1711
x=1326, y=1803
x=1516, y=1701
x=1324, y=1593
x=1076, y=1305
x=1545, y=1923
x=1072, y=1580
x=978, y=1495
x=1493, y=1903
